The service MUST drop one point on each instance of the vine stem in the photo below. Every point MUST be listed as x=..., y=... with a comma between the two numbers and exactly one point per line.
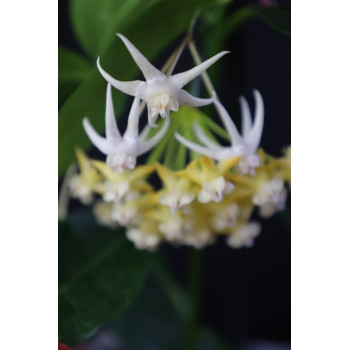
x=196, y=58
x=195, y=282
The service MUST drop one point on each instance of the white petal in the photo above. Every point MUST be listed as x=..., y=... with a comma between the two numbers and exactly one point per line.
x=229, y=124
x=212, y=190
x=100, y=142
x=204, y=197
x=149, y=144
x=149, y=71
x=254, y=136
x=181, y=79
x=246, y=117
x=197, y=148
x=112, y=131
x=204, y=138
x=133, y=88
x=132, y=129
x=244, y=236
x=186, y=99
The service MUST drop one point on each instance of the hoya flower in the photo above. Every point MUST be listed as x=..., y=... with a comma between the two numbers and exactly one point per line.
x=122, y=151
x=145, y=236
x=270, y=197
x=226, y=217
x=177, y=193
x=199, y=238
x=244, y=235
x=103, y=214
x=205, y=173
x=244, y=145
x=162, y=93
x=119, y=187
x=82, y=186
x=173, y=226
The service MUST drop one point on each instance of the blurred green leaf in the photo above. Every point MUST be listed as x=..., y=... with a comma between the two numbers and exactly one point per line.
x=72, y=70
x=276, y=17
x=151, y=32
x=154, y=321
x=100, y=275
x=94, y=22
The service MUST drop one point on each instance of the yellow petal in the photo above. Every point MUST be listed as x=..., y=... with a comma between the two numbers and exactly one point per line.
x=225, y=165
x=208, y=167
x=109, y=173
x=83, y=160
x=140, y=171
x=167, y=176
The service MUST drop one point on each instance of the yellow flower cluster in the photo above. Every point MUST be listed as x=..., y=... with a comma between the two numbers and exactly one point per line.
x=193, y=206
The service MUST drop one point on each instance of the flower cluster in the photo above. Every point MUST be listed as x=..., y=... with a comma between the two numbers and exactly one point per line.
x=193, y=206
x=215, y=194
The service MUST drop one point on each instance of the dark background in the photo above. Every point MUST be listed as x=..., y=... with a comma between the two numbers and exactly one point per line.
x=246, y=292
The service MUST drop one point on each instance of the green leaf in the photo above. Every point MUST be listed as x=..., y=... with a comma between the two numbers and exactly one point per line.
x=72, y=70
x=94, y=22
x=100, y=275
x=276, y=17
x=151, y=32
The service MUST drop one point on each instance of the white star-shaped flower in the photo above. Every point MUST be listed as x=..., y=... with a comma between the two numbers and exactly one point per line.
x=245, y=145
x=122, y=151
x=162, y=93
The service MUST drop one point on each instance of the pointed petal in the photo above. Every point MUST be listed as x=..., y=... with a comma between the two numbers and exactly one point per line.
x=225, y=165
x=167, y=176
x=191, y=174
x=186, y=99
x=99, y=142
x=140, y=172
x=132, y=130
x=83, y=160
x=181, y=79
x=204, y=138
x=148, y=70
x=133, y=88
x=208, y=167
x=246, y=117
x=254, y=136
x=112, y=132
x=228, y=122
x=149, y=144
x=196, y=148
x=106, y=171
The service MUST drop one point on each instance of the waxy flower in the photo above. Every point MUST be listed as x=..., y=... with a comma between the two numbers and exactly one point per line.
x=245, y=145
x=210, y=178
x=177, y=192
x=162, y=93
x=119, y=187
x=244, y=235
x=122, y=151
x=83, y=185
x=270, y=197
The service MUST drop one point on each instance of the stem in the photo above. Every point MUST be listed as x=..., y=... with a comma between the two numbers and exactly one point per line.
x=195, y=281
x=171, y=289
x=204, y=75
